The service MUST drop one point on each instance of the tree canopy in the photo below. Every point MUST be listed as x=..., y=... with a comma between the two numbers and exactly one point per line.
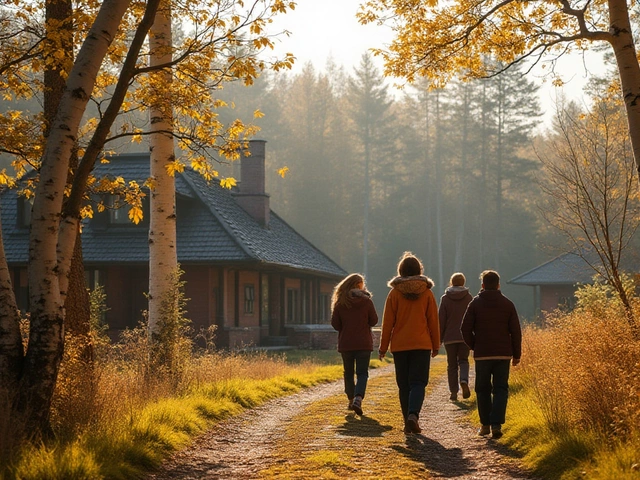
x=440, y=40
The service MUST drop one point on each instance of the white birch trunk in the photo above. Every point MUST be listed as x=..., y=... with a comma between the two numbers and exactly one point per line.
x=49, y=258
x=163, y=260
x=628, y=68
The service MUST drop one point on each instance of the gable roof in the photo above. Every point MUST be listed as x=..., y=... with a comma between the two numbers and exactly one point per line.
x=211, y=228
x=566, y=269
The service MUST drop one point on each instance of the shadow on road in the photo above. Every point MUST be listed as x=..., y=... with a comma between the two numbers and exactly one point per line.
x=435, y=457
x=355, y=426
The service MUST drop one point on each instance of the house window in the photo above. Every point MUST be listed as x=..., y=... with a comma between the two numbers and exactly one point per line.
x=249, y=296
x=95, y=281
x=94, y=278
x=118, y=212
x=305, y=304
x=264, y=300
x=24, y=211
x=21, y=285
x=292, y=305
x=566, y=304
x=323, y=308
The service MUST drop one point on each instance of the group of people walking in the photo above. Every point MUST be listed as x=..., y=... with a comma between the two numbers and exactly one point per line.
x=413, y=329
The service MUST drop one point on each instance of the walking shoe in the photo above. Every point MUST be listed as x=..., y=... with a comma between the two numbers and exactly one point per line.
x=454, y=397
x=496, y=431
x=357, y=405
x=350, y=406
x=484, y=430
x=466, y=393
x=412, y=425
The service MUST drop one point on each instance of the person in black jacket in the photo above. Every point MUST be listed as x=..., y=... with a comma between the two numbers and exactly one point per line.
x=491, y=328
x=353, y=314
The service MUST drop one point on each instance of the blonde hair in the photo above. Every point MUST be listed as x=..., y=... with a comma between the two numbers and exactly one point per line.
x=341, y=291
x=457, y=280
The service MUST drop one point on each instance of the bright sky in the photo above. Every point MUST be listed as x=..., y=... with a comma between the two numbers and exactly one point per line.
x=322, y=29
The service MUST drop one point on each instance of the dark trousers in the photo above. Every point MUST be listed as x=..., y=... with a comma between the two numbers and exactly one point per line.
x=412, y=377
x=360, y=360
x=457, y=364
x=492, y=390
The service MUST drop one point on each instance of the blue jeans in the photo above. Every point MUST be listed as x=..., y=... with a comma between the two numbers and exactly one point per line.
x=412, y=377
x=492, y=390
x=457, y=364
x=359, y=359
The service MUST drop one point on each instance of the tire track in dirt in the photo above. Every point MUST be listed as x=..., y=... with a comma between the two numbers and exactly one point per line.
x=246, y=445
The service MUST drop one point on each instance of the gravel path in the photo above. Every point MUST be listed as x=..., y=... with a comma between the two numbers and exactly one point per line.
x=242, y=446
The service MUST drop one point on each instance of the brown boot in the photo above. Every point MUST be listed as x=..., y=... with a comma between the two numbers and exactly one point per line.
x=412, y=425
x=466, y=393
x=357, y=404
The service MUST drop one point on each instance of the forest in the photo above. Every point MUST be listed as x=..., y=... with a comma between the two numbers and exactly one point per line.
x=450, y=174
x=454, y=175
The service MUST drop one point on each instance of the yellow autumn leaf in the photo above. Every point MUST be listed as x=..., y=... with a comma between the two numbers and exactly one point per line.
x=174, y=167
x=86, y=212
x=283, y=171
x=229, y=182
x=135, y=214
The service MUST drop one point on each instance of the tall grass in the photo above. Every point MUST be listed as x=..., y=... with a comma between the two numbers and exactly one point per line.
x=118, y=417
x=578, y=400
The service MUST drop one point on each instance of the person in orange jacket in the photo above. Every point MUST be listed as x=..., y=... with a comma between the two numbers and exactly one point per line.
x=410, y=329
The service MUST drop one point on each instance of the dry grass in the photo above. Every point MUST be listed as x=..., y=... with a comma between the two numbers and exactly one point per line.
x=579, y=398
x=118, y=417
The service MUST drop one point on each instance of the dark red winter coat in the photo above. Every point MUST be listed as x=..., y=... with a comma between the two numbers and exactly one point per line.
x=354, y=323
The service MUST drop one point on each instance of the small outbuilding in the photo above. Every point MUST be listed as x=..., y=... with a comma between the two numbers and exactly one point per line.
x=555, y=282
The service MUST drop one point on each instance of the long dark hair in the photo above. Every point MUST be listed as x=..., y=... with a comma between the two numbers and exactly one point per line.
x=409, y=265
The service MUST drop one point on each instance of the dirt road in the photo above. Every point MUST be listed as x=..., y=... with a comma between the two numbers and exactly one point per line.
x=312, y=435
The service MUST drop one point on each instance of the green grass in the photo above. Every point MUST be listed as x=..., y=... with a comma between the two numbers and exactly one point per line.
x=129, y=447
x=322, y=357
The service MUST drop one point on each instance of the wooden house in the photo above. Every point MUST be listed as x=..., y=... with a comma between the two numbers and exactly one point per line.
x=246, y=270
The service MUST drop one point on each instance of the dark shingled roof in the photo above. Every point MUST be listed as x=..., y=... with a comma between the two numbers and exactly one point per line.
x=211, y=226
x=566, y=269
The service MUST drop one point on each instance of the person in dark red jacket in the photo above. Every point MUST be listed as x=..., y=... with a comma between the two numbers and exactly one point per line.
x=353, y=315
x=491, y=328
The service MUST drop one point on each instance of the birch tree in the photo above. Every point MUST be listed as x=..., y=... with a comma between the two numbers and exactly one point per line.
x=163, y=256
x=110, y=70
x=440, y=40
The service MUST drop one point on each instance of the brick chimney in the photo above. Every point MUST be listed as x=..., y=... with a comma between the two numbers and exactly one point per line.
x=251, y=194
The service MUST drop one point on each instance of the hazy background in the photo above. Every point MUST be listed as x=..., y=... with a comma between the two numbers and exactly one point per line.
x=449, y=175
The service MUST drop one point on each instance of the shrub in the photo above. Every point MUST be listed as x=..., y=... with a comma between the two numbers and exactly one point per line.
x=583, y=368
